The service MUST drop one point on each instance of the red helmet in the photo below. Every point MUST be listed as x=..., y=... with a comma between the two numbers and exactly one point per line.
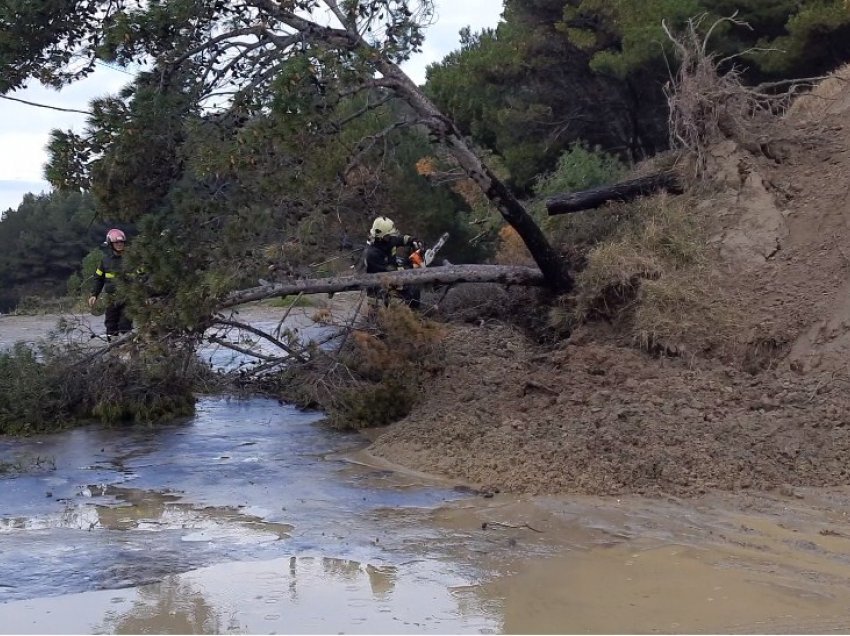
x=114, y=236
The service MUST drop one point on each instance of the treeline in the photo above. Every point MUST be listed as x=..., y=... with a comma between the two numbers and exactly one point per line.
x=43, y=243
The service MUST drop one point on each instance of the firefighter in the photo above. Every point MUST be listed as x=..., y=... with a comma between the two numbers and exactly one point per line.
x=380, y=256
x=107, y=274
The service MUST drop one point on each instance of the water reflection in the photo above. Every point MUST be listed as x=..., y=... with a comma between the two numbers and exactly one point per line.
x=381, y=580
x=171, y=607
x=333, y=595
x=240, y=481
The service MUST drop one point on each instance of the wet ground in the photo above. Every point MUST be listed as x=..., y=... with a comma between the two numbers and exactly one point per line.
x=256, y=485
x=88, y=330
x=250, y=517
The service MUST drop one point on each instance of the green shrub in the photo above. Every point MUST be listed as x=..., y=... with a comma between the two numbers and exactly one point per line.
x=54, y=388
x=30, y=399
x=580, y=168
x=374, y=404
x=79, y=284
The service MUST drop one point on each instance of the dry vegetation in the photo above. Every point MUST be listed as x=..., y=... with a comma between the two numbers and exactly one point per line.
x=709, y=102
x=373, y=377
x=652, y=280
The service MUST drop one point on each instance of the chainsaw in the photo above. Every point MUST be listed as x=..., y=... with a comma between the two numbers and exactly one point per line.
x=424, y=260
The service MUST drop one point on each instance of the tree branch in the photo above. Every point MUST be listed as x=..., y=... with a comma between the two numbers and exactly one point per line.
x=243, y=350
x=507, y=275
x=367, y=143
x=622, y=191
x=262, y=334
x=253, y=30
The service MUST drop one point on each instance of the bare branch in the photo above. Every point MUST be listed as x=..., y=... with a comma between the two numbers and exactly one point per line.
x=243, y=350
x=262, y=334
x=708, y=105
x=366, y=109
x=288, y=311
x=367, y=143
x=344, y=20
x=212, y=42
x=804, y=81
x=339, y=38
x=753, y=49
x=717, y=23
x=127, y=337
x=351, y=322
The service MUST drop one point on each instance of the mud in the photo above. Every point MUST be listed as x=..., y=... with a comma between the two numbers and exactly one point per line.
x=717, y=564
x=511, y=416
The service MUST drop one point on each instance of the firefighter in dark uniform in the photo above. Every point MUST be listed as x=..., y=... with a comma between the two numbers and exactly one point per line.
x=105, y=277
x=380, y=256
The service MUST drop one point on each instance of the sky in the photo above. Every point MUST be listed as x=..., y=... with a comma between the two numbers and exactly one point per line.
x=24, y=130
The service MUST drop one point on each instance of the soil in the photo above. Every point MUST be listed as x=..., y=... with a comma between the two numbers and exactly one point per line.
x=593, y=416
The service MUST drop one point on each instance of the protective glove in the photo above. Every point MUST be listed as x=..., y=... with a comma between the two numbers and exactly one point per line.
x=417, y=245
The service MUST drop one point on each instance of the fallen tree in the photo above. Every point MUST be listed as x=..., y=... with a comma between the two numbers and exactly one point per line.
x=507, y=275
x=622, y=191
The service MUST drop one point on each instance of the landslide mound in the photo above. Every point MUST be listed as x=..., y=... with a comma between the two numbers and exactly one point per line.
x=597, y=419
x=755, y=401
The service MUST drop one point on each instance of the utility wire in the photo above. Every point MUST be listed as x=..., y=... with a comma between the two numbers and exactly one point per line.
x=67, y=110
x=28, y=103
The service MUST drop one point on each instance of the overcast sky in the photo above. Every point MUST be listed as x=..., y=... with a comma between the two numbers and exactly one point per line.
x=24, y=129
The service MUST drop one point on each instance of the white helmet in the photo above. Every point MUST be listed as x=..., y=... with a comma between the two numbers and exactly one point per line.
x=383, y=226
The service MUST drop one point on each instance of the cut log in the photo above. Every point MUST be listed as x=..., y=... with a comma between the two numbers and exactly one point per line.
x=623, y=191
x=507, y=275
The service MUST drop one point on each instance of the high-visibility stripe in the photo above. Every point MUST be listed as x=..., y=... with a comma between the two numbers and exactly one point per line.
x=109, y=275
x=98, y=272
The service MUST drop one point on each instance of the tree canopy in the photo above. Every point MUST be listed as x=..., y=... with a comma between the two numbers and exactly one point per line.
x=555, y=72
x=263, y=133
x=300, y=64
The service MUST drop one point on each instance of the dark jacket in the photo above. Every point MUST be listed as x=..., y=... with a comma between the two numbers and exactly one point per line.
x=108, y=272
x=380, y=254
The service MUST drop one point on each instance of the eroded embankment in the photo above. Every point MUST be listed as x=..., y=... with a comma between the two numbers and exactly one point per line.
x=599, y=419
x=754, y=401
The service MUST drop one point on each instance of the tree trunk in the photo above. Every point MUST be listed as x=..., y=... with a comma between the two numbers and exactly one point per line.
x=508, y=275
x=623, y=191
x=551, y=264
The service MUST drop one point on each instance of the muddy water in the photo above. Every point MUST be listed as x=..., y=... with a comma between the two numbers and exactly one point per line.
x=242, y=518
x=251, y=518
x=763, y=563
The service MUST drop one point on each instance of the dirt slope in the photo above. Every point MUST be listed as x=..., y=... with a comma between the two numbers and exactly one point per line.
x=593, y=417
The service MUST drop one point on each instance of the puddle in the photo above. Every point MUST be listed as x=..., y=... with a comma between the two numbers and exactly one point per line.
x=295, y=595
